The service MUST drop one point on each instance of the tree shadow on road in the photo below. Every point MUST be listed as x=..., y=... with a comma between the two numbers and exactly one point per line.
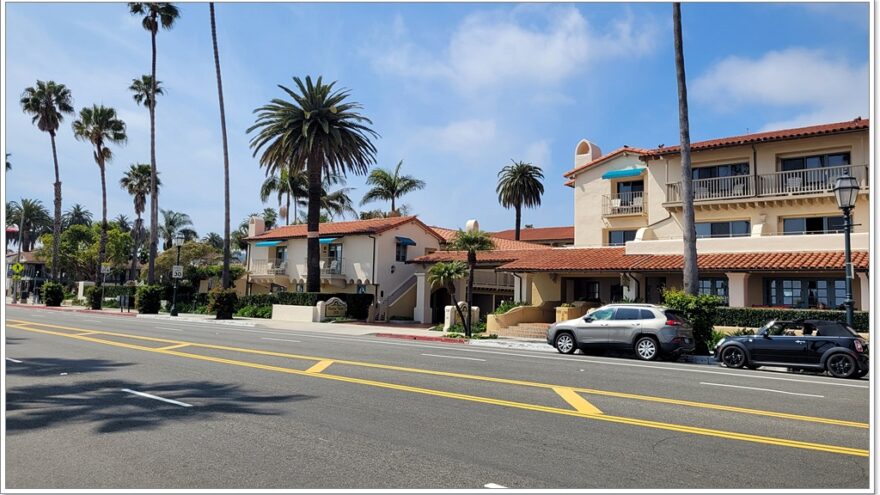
x=13, y=340
x=57, y=366
x=105, y=405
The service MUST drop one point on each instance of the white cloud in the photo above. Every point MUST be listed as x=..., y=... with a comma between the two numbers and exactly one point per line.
x=463, y=137
x=817, y=87
x=523, y=46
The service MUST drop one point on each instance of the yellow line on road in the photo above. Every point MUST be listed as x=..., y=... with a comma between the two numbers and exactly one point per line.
x=576, y=401
x=88, y=333
x=168, y=348
x=507, y=381
x=320, y=366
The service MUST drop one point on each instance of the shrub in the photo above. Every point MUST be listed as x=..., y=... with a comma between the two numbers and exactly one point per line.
x=252, y=311
x=506, y=306
x=700, y=310
x=149, y=299
x=358, y=304
x=222, y=302
x=757, y=317
x=52, y=293
x=93, y=297
x=714, y=338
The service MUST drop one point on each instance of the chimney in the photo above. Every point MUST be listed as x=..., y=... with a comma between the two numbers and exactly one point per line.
x=472, y=225
x=585, y=152
x=256, y=226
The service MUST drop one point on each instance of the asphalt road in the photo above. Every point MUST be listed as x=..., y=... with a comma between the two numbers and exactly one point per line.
x=97, y=401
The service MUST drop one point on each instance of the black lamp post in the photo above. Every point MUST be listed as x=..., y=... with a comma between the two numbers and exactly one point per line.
x=176, y=242
x=846, y=189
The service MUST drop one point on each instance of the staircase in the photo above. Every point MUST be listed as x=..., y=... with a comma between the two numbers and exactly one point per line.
x=387, y=302
x=525, y=331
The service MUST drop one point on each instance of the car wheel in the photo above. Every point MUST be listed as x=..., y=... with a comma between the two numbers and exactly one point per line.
x=733, y=357
x=860, y=373
x=565, y=343
x=841, y=365
x=647, y=348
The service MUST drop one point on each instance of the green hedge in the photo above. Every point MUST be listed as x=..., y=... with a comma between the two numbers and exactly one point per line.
x=223, y=303
x=358, y=304
x=757, y=317
x=701, y=310
x=149, y=299
x=52, y=293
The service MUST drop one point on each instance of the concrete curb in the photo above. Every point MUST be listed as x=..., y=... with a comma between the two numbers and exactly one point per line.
x=448, y=340
x=73, y=310
x=234, y=323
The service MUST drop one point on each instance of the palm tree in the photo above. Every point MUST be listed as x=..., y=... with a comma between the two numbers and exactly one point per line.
x=471, y=241
x=336, y=203
x=520, y=185
x=175, y=223
x=47, y=102
x=137, y=182
x=32, y=220
x=225, y=278
x=290, y=184
x=141, y=90
x=320, y=131
x=100, y=126
x=154, y=14
x=214, y=239
x=691, y=275
x=270, y=218
x=77, y=215
x=389, y=186
x=445, y=275
x=122, y=222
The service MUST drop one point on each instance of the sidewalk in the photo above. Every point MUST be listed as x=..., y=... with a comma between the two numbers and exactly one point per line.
x=75, y=309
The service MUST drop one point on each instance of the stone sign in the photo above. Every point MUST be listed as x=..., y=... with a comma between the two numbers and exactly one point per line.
x=335, y=308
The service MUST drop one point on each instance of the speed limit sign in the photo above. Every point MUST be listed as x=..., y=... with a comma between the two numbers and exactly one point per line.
x=177, y=271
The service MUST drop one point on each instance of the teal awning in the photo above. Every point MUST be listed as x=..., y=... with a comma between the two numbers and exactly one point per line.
x=627, y=172
x=406, y=241
x=267, y=243
x=327, y=240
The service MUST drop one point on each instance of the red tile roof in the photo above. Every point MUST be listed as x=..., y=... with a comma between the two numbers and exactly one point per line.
x=538, y=234
x=493, y=257
x=625, y=149
x=761, y=137
x=372, y=226
x=26, y=257
x=501, y=243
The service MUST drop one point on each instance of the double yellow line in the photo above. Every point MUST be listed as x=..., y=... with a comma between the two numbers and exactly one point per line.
x=583, y=408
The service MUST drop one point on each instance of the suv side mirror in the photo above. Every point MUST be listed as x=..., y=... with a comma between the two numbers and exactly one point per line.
x=588, y=319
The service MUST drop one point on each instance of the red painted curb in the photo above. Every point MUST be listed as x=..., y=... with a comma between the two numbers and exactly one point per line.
x=71, y=310
x=448, y=340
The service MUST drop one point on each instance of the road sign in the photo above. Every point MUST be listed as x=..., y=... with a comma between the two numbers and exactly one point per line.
x=17, y=268
x=105, y=268
x=177, y=271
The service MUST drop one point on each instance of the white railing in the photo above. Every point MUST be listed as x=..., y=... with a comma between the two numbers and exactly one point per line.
x=626, y=203
x=492, y=279
x=268, y=267
x=739, y=186
x=331, y=267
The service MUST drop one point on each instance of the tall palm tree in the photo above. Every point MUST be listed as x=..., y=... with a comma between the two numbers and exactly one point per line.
x=320, y=131
x=100, y=126
x=691, y=275
x=32, y=220
x=47, y=102
x=520, y=185
x=77, y=215
x=390, y=185
x=174, y=223
x=225, y=278
x=336, y=203
x=270, y=218
x=214, y=239
x=142, y=90
x=155, y=14
x=137, y=182
x=445, y=275
x=471, y=241
x=290, y=184
x=122, y=222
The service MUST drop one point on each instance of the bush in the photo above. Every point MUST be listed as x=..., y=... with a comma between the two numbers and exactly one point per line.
x=757, y=317
x=52, y=293
x=506, y=306
x=222, y=302
x=700, y=310
x=93, y=297
x=358, y=304
x=252, y=311
x=149, y=299
x=714, y=338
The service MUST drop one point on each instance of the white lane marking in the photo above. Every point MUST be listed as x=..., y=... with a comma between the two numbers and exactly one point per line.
x=169, y=328
x=762, y=389
x=493, y=485
x=13, y=360
x=453, y=357
x=156, y=397
x=280, y=340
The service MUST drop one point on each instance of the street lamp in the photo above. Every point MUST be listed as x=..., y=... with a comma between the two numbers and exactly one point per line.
x=846, y=189
x=176, y=242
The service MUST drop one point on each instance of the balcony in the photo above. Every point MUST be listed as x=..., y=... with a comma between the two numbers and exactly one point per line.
x=621, y=204
x=792, y=186
x=490, y=279
x=268, y=268
x=331, y=267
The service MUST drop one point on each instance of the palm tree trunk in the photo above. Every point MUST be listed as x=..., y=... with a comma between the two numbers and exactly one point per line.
x=226, y=253
x=154, y=190
x=691, y=275
x=518, y=208
x=472, y=263
x=393, y=209
x=135, y=237
x=287, y=211
x=313, y=278
x=56, y=225
x=102, y=247
x=455, y=304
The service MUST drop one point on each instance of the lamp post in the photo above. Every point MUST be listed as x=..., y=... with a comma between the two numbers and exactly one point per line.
x=176, y=242
x=846, y=189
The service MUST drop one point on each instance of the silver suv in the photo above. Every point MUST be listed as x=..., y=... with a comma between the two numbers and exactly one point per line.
x=649, y=330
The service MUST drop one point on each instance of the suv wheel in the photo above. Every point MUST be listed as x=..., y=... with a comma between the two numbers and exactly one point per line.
x=647, y=348
x=565, y=343
x=841, y=365
x=733, y=357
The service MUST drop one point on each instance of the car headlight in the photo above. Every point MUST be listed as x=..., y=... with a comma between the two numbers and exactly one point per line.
x=720, y=342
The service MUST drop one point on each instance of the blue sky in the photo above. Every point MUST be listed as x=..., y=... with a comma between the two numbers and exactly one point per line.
x=454, y=90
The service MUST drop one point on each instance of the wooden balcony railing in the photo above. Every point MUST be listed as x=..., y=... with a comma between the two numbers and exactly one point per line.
x=627, y=203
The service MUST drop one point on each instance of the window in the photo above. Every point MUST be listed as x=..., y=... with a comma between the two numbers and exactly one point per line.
x=713, y=286
x=737, y=228
x=602, y=314
x=732, y=170
x=815, y=161
x=585, y=290
x=627, y=314
x=400, y=252
x=647, y=314
x=620, y=237
x=616, y=292
x=630, y=187
x=812, y=225
x=805, y=293
x=280, y=254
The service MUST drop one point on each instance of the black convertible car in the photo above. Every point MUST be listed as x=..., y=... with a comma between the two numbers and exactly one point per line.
x=801, y=344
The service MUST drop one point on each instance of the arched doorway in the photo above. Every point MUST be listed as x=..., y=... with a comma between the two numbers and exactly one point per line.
x=439, y=300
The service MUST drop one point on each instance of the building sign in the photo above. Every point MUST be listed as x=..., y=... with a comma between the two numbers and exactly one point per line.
x=335, y=308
